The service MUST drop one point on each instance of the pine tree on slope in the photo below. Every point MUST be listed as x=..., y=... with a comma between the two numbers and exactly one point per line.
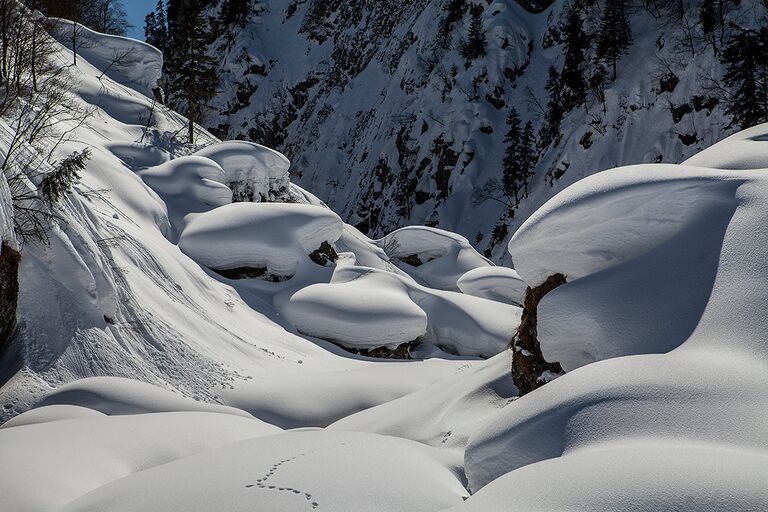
x=512, y=172
x=550, y=131
x=576, y=43
x=746, y=59
x=191, y=71
x=615, y=34
x=527, y=157
x=475, y=45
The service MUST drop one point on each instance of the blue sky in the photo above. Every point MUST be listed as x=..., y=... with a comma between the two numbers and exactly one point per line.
x=136, y=10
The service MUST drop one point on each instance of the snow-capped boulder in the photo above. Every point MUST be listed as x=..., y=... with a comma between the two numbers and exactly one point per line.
x=369, y=308
x=629, y=230
x=501, y=284
x=434, y=257
x=272, y=236
x=372, y=310
x=254, y=172
x=189, y=184
x=747, y=149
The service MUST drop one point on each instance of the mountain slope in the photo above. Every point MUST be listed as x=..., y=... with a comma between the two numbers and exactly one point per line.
x=388, y=124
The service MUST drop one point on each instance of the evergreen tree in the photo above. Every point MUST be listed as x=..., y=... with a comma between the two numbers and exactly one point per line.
x=528, y=158
x=746, y=60
x=512, y=171
x=156, y=28
x=191, y=71
x=236, y=12
x=65, y=174
x=576, y=43
x=550, y=131
x=475, y=45
x=615, y=34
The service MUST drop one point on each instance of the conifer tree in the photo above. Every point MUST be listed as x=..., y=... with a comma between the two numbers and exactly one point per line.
x=475, y=45
x=512, y=175
x=576, y=43
x=615, y=35
x=550, y=130
x=191, y=71
x=746, y=59
x=527, y=157
x=156, y=28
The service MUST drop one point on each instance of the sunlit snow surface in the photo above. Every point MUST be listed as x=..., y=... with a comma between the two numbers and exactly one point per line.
x=147, y=381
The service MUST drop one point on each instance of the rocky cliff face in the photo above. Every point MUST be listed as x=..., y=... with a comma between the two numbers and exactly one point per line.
x=388, y=123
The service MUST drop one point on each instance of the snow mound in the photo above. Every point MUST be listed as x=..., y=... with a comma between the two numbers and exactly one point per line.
x=745, y=150
x=371, y=310
x=671, y=476
x=664, y=260
x=115, y=396
x=630, y=229
x=501, y=284
x=189, y=184
x=258, y=235
x=255, y=171
x=50, y=413
x=366, y=308
x=125, y=60
x=281, y=474
x=75, y=456
x=434, y=257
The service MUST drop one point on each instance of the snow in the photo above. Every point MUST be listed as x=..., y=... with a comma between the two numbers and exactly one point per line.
x=116, y=396
x=444, y=256
x=271, y=235
x=367, y=308
x=665, y=269
x=147, y=381
x=360, y=472
x=264, y=170
x=501, y=284
x=99, y=450
x=189, y=184
x=126, y=60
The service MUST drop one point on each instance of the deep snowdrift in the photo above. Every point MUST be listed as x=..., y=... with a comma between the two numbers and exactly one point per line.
x=139, y=378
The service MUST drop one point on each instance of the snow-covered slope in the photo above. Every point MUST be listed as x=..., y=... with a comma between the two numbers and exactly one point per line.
x=386, y=122
x=147, y=372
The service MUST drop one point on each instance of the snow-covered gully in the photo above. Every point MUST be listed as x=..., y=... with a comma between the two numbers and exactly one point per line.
x=199, y=333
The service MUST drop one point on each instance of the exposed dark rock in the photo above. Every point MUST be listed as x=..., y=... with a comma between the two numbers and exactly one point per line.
x=250, y=273
x=9, y=293
x=688, y=138
x=400, y=352
x=668, y=83
x=528, y=363
x=324, y=255
x=680, y=111
x=586, y=140
x=412, y=260
x=705, y=102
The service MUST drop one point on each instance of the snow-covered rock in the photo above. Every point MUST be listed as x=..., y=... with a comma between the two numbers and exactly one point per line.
x=189, y=184
x=367, y=308
x=255, y=172
x=434, y=257
x=501, y=284
x=274, y=236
